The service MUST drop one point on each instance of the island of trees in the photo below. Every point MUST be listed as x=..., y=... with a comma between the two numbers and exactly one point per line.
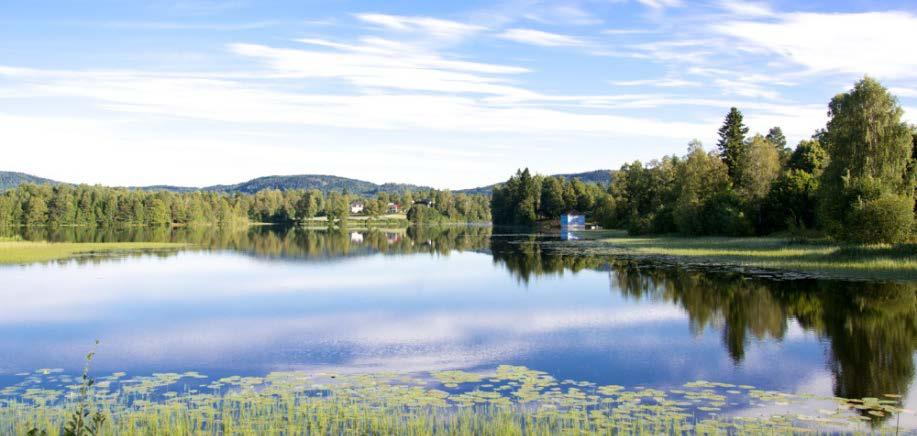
x=854, y=180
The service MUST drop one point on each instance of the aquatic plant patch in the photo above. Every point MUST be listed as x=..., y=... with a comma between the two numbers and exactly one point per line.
x=507, y=400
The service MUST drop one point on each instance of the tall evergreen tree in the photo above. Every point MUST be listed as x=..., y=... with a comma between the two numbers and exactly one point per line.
x=731, y=144
x=775, y=136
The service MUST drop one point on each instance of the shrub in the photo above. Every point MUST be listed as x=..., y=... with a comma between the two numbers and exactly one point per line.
x=887, y=219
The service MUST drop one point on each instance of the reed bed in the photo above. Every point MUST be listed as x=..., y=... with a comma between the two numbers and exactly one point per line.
x=511, y=400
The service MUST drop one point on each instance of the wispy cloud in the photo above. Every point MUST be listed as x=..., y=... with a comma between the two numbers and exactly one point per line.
x=660, y=4
x=433, y=27
x=878, y=43
x=662, y=83
x=540, y=38
x=745, y=8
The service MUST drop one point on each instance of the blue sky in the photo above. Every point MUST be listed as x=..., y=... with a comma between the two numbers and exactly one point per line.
x=448, y=94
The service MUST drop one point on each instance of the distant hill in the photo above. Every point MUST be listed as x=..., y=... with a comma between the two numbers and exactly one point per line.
x=598, y=176
x=10, y=179
x=311, y=181
x=306, y=181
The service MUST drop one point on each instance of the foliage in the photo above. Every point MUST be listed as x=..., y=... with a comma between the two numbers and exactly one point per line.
x=525, y=199
x=886, y=219
x=871, y=152
x=701, y=177
x=854, y=179
x=759, y=169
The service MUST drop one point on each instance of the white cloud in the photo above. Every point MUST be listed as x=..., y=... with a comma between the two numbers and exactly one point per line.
x=660, y=4
x=562, y=14
x=750, y=9
x=876, y=43
x=434, y=27
x=903, y=92
x=661, y=83
x=540, y=38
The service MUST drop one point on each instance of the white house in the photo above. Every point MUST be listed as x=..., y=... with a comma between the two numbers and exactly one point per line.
x=356, y=207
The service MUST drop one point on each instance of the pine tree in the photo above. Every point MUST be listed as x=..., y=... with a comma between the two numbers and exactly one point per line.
x=775, y=136
x=731, y=144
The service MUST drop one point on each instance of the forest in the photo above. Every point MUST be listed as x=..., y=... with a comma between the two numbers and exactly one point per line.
x=84, y=205
x=853, y=180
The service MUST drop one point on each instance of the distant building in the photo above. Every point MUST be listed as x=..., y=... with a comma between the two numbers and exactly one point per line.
x=394, y=208
x=356, y=237
x=573, y=220
x=356, y=207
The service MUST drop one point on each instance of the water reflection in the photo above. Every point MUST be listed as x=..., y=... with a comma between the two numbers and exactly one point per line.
x=457, y=308
x=871, y=328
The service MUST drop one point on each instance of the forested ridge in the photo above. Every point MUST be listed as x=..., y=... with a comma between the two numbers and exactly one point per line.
x=854, y=180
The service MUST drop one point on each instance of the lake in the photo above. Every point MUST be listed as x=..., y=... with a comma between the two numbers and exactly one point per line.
x=269, y=299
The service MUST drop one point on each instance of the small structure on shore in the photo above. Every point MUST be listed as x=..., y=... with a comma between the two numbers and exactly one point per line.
x=573, y=220
x=356, y=207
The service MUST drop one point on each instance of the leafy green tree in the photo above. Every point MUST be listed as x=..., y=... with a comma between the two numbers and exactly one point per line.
x=159, y=213
x=552, y=197
x=373, y=208
x=337, y=207
x=759, y=169
x=731, y=143
x=701, y=177
x=308, y=204
x=791, y=202
x=866, y=183
x=517, y=200
x=36, y=211
x=7, y=216
x=810, y=156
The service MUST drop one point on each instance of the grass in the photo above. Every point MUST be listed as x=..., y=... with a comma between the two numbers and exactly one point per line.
x=510, y=400
x=16, y=251
x=808, y=258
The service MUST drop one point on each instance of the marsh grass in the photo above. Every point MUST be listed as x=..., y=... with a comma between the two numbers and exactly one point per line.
x=17, y=251
x=512, y=400
x=816, y=258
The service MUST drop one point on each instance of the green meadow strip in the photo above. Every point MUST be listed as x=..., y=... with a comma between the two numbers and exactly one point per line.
x=812, y=259
x=23, y=252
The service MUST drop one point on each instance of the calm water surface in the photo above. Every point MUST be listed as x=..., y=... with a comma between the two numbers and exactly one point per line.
x=261, y=300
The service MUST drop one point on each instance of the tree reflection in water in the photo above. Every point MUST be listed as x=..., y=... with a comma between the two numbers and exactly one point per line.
x=871, y=326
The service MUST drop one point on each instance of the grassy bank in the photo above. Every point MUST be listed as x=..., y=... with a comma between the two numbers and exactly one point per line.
x=785, y=256
x=15, y=251
x=512, y=400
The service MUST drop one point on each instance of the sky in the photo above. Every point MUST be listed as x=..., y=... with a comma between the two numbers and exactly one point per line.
x=444, y=94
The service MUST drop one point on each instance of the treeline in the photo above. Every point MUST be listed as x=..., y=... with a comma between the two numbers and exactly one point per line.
x=525, y=199
x=854, y=180
x=84, y=205
x=444, y=206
